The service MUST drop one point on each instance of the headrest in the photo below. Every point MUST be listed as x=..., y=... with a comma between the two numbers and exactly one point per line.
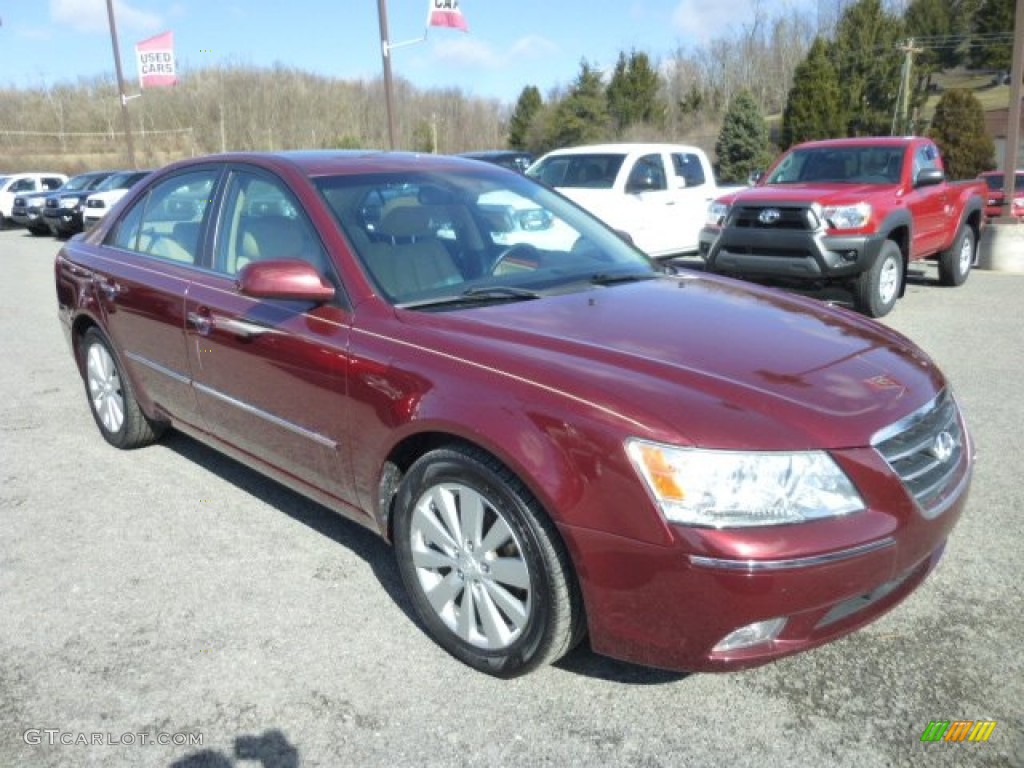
x=407, y=221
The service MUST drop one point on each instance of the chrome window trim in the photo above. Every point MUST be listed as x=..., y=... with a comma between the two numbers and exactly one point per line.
x=796, y=562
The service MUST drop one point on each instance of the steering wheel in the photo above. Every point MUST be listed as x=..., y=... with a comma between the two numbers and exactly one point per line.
x=523, y=251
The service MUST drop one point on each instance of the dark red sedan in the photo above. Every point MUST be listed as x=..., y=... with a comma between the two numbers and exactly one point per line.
x=559, y=437
x=996, y=194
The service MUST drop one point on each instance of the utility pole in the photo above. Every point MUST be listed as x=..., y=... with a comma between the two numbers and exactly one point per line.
x=904, y=102
x=1013, y=114
x=385, y=50
x=129, y=144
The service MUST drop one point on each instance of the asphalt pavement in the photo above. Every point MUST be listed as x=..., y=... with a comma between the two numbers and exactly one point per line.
x=172, y=595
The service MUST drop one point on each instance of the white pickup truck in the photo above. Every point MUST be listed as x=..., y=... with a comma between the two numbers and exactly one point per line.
x=658, y=194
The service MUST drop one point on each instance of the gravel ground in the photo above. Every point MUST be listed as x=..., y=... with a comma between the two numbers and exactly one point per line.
x=172, y=591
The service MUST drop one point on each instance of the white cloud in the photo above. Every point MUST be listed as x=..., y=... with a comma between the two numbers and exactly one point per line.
x=91, y=16
x=465, y=52
x=701, y=21
x=532, y=47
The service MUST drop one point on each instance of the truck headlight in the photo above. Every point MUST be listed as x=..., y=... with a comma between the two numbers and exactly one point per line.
x=35, y=202
x=847, y=216
x=741, y=489
x=717, y=213
x=70, y=202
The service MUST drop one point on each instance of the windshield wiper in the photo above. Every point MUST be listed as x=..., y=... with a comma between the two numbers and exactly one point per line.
x=611, y=278
x=478, y=295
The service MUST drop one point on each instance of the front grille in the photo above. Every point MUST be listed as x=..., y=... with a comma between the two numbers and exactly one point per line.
x=51, y=202
x=928, y=450
x=789, y=218
x=90, y=203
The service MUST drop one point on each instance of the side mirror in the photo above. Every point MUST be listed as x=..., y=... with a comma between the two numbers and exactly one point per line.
x=754, y=177
x=928, y=177
x=284, y=279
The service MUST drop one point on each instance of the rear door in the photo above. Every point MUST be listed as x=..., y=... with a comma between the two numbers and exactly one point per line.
x=144, y=273
x=270, y=374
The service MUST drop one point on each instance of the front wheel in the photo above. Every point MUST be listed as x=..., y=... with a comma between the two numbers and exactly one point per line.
x=111, y=400
x=955, y=263
x=877, y=289
x=485, y=568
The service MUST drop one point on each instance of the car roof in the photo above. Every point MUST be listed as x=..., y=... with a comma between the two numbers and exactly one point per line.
x=861, y=141
x=337, y=162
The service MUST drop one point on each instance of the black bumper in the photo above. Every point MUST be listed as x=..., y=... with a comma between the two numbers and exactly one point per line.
x=788, y=254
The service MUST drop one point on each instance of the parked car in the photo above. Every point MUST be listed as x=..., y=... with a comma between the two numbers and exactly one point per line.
x=541, y=434
x=848, y=212
x=29, y=208
x=656, y=194
x=17, y=184
x=107, y=193
x=507, y=158
x=996, y=187
x=63, y=212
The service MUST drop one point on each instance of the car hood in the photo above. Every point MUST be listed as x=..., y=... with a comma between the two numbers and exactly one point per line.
x=818, y=192
x=703, y=360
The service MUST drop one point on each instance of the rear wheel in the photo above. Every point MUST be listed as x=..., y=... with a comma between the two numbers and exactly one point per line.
x=114, y=407
x=486, y=571
x=877, y=289
x=955, y=263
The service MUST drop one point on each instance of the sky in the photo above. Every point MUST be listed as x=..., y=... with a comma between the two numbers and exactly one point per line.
x=510, y=43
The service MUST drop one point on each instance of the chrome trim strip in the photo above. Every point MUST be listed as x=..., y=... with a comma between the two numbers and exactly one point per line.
x=908, y=421
x=276, y=420
x=158, y=368
x=796, y=562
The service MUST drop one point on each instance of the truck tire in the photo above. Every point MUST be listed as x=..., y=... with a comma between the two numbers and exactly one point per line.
x=955, y=262
x=877, y=289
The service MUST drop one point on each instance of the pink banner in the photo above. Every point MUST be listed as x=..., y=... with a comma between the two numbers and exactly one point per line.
x=446, y=13
x=155, y=59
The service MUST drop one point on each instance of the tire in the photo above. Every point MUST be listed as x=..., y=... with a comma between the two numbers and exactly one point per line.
x=39, y=232
x=504, y=620
x=955, y=263
x=877, y=289
x=111, y=400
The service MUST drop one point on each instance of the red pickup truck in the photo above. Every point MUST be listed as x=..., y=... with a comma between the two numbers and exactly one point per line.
x=849, y=212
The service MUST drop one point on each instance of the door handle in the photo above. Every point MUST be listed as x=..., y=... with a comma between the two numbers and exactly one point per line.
x=242, y=328
x=202, y=323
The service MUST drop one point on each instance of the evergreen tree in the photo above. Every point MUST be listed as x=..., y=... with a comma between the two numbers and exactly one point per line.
x=868, y=64
x=633, y=92
x=813, y=106
x=959, y=129
x=743, y=144
x=994, y=17
x=582, y=116
x=527, y=107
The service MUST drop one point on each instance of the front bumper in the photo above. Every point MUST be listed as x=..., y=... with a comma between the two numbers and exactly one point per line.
x=789, y=254
x=672, y=606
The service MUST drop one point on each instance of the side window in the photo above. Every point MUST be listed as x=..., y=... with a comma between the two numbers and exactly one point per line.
x=647, y=175
x=924, y=158
x=262, y=221
x=51, y=182
x=24, y=185
x=689, y=167
x=166, y=222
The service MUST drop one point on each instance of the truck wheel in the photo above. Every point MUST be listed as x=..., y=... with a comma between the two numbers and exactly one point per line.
x=955, y=263
x=877, y=289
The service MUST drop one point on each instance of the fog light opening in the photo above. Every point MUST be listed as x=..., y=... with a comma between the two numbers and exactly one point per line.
x=849, y=256
x=752, y=634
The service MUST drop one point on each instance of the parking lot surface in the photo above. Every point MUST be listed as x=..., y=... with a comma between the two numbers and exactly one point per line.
x=171, y=595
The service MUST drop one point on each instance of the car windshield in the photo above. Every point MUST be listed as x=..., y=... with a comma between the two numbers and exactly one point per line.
x=594, y=171
x=78, y=182
x=452, y=238
x=858, y=165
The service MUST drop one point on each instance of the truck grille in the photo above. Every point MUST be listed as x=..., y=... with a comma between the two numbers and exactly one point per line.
x=929, y=451
x=788, y=218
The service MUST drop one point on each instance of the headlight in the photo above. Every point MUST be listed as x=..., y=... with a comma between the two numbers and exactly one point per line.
x=847, y=216
x=35, y=202
x=738, y=489
x=716, y=214
x=70, y=202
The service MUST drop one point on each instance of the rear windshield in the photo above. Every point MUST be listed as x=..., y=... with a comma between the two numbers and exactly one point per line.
x=995, y=182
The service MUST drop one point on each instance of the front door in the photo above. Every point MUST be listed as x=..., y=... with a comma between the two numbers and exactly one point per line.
x=270, y=374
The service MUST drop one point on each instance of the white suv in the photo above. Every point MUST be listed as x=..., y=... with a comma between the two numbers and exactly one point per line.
x=24, y=183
